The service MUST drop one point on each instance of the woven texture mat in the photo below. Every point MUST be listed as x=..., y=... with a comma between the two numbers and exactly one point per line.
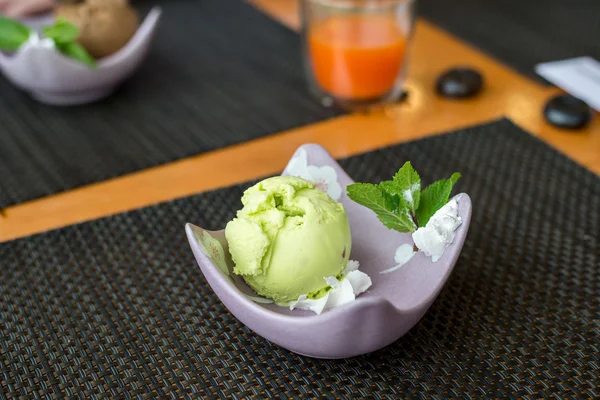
x=117, y=308
x=521, y=33
x=220, y=73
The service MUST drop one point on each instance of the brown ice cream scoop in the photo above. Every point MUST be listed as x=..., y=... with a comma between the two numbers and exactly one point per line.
x=105, y=25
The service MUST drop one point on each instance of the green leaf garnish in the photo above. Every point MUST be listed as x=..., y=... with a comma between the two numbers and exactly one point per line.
x=409, y=182
x=393, y=198
x=399, y=203
x=77, y=52
x=434, y=197
x=12, y=34
x=62, y=32
x=383, y=204
x=64, y=35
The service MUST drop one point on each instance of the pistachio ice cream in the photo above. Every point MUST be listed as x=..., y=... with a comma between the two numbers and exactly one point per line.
x=289, y=236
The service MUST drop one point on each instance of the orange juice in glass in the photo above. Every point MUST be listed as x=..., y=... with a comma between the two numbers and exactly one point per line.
x=355, y=50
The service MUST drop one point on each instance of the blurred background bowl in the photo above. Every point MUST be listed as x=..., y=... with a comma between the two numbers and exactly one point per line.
x=52, y=78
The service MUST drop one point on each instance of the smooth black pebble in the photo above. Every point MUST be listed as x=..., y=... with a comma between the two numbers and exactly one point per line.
x=403, y=96
x=459, y=83
x=567, y=112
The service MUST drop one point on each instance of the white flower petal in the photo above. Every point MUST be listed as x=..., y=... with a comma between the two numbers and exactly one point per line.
x=394, y=268
x=326, y=179
x=325, y=172
x=298, y=166
x=213, y=249
x=359, y=280
x=334, y=190
x=404, y=253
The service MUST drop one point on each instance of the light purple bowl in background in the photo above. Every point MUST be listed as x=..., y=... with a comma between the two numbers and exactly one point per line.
x=393, y=304
x=53, y=78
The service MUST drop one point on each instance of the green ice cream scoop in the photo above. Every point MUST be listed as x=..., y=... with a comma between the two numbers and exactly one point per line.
x=288, y=237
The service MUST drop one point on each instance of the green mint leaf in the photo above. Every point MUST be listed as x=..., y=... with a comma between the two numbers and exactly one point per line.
x=77, y=52
x=408, y=183
x=391, y=196
x=434, y=197
x=12, y=34
x=453, y=178
x=396, y=199
x=383, y=205
x=62, y=32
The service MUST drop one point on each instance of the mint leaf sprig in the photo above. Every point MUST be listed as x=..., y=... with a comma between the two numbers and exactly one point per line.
x=400, y=204
x=65, y=35
x=61, y=32
x=14, y=34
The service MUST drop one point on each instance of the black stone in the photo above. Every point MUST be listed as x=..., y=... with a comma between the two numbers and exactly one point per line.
x=567, y=112
x=403, y=96
x=458, y=83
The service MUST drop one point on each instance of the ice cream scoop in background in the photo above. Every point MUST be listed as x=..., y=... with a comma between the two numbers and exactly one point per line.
x=289, y=237
x=105, y=26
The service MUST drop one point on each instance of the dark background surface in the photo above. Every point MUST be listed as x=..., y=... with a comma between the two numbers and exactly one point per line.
x=222, y=73
x=219, y=73
x=521, y=33
x=117, y=307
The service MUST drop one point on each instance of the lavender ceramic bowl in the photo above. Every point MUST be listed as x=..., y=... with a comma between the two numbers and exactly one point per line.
x=55, y=79
x=394, y=304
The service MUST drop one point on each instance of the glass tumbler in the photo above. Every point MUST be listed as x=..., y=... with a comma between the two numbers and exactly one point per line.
x=355, y=50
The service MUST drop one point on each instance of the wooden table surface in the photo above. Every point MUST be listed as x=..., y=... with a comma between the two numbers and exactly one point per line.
x=506, y=94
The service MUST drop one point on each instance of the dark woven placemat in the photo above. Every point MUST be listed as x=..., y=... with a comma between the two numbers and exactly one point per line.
x=117, y=308
x=219, y=73
x=521, y=33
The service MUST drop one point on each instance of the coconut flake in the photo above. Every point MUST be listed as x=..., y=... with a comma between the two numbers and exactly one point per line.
x=332, y=281
x=351, y=266
x=315, y=305
x=342, y=291
x=359, y=280
x=439, y=233
x=342, y=294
